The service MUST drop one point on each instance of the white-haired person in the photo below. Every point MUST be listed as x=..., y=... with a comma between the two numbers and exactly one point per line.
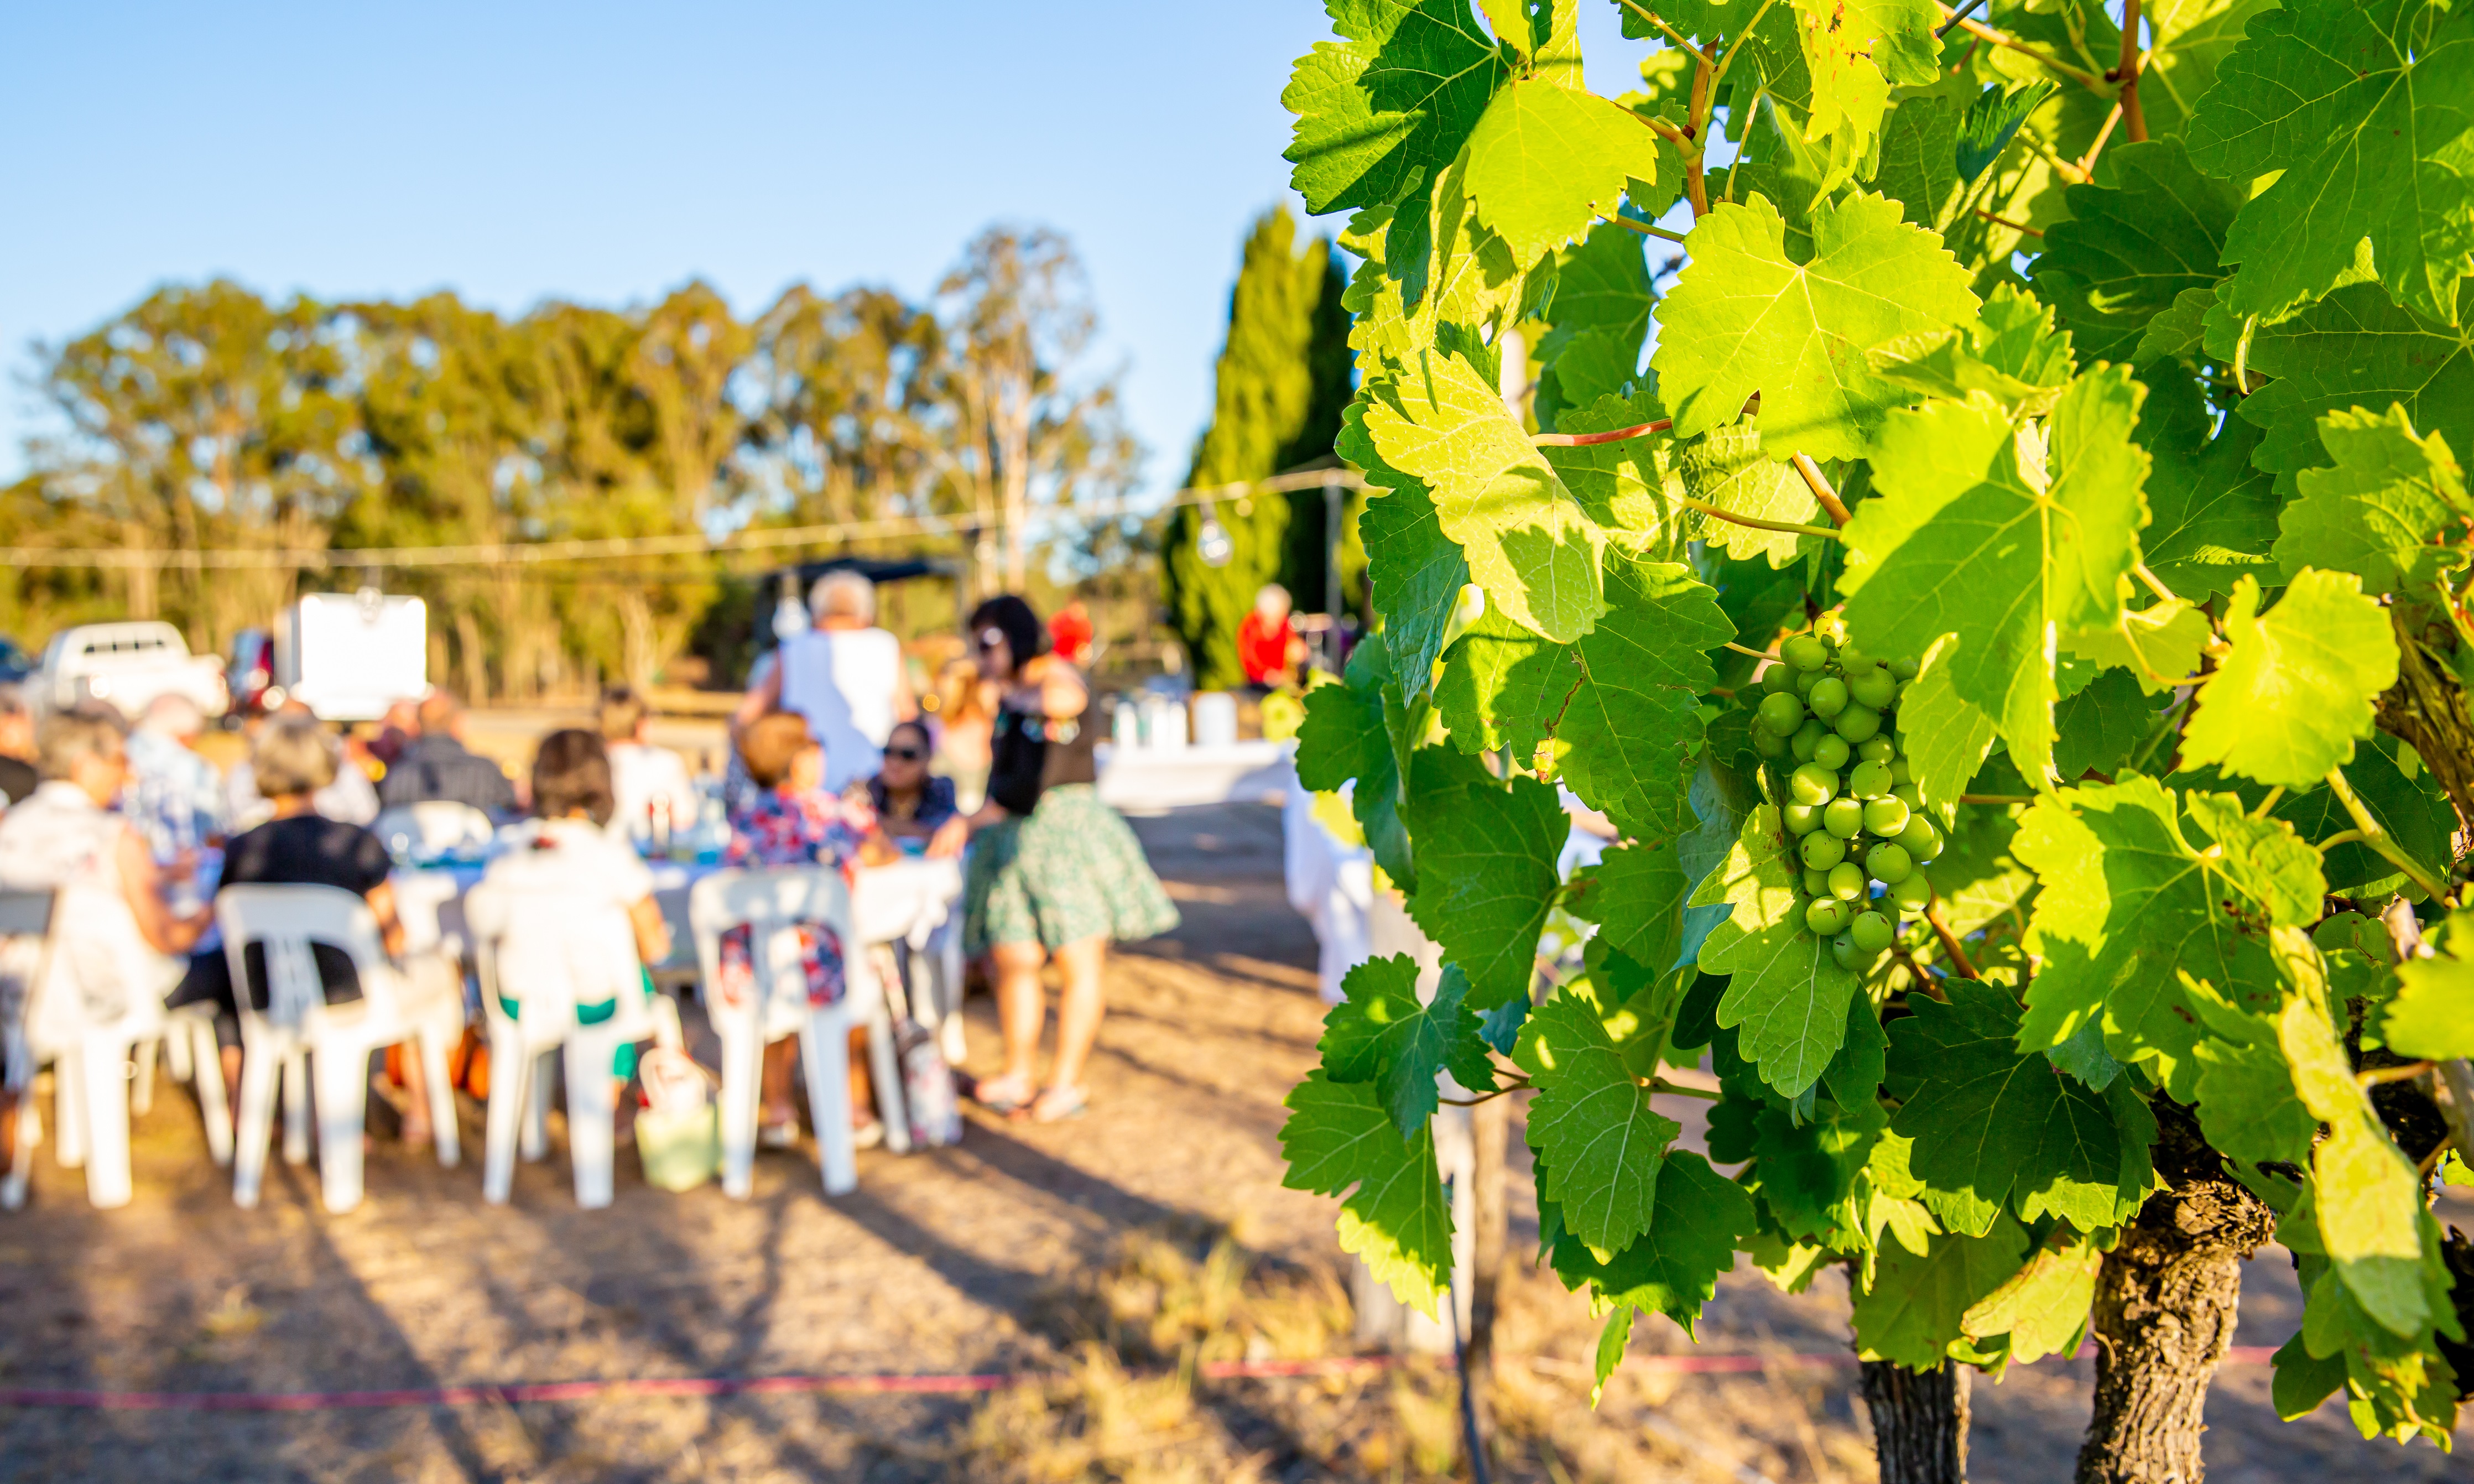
x=844, y=676
x=644, y=780
x=175, y=796
x=292, y=761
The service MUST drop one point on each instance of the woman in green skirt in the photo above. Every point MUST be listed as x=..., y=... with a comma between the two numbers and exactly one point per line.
x=1053, y=871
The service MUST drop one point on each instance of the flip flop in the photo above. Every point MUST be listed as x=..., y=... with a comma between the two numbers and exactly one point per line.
x=1056, y=1105
x=1003, y=1107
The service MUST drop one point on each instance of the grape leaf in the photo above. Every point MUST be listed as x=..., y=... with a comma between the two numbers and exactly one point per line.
x=1675, y=1269
x=2097, y=729
x=1380, y=1034
x=2294, y=696
x=1744, y=317
x=1545, y=160
x=1486, y=868
x=1601, y=282
x=2129, y=899
x=1726, y=468
x=1499, y=682
x=1338, y=1140
x=1603, y=1145
x=2377, y=512
x=1992, y=1127
x=1809, y=1168
x=1345, y=742
x=1627, y=486
x=1527, y=540
x=1636, y=895
x=2132, y=248
x=1966, y=539
x=1917, y=1307
x=1404, y=87
x=2012, y=350
x=1787, y=997
x=1945, y=738
x=1624, y=733
x=1414, y=570
x=2158, y=646
x=2212, y=514
x=1590, y=364
x=2044, y=1307
x=2353, y=349
x=2433, y=1015
x=2246, y=1101
x=1856, y=50
x=2366, y=112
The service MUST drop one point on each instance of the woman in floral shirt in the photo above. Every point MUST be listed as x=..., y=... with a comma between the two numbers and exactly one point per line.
x=794, y=822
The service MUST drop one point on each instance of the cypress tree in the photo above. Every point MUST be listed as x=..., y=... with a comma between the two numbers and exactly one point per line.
x=1282, y=381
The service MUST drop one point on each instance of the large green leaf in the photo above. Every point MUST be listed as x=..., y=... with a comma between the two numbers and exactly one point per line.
x=1629, y=486
x=2295, y=694
x=1855, y=51
x=1380, y=1034
x=2367, y=110
x=1675, y=1268
x=2212, y=513
x=1628, y=720
x=1339, y=1141
x=1973, y=535
x=1918, y=1306
x=2245, y=1092
x=1944, y=736
x=1636, y=895
x=2129, y=249
x=1545, y=160
x=1345, y=742
x=2377, y=513
x=2353, y=349
x=1384, y=106
x=1486, y=868
x=1787, y=997
x=1602, y=1143
x=1416, y=571
x=1527, y=539
x=2433, y=1015
x=1745, y=317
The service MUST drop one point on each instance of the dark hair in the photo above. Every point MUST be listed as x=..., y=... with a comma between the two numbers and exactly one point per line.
x=622, y=711
x=927, y=738
x=571, y=773
x=1024, y=635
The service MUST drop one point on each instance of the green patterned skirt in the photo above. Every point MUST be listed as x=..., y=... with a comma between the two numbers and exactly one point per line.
x=1070, y=870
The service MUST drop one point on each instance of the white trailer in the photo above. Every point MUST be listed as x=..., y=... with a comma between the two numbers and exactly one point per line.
x=349, y=656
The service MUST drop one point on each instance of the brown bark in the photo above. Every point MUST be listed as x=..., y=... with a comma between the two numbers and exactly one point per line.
x=2426, y=709
x=1490, y=1129
x=2166, y=1301
x=1919, y=1421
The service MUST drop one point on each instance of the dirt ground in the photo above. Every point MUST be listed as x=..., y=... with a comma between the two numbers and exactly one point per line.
x=1106, y=1254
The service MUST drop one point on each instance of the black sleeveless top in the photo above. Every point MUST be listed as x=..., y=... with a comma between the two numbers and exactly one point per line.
x=1030, y=754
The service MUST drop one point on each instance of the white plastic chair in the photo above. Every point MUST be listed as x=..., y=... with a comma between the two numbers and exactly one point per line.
x=549, y=951
x=434, y=825
x=89, y=949
x=189, y=1048
x=336, y=1040
x=768, y=901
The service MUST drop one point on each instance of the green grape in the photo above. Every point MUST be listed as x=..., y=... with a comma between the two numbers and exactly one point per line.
x=1905, y=794
x=1817, y=883
x=1833, y=630
x=1900, y=771
x=1852, y=659
x=1844, y=953
x=1873, y=687
x=1842, y=817
x=1920, y=840
x=1807, y=739
x=1904, y=670
x=1886, y=863
x=1768, y=743
x=1857, y=723
x=1827, y=916
x=1830, y=752
x=1887, y=817
x=1845, y=882
x=1813, y=784
x=1877, y=750
x=1777, y=679
x=1801, y=818
x=1805, y=652
x=1821, y=850
x=1828, y=697
x=1872, y=932
x=1805, y=681
x=1913, y=894
x=1782, y=714
x=1870, y=780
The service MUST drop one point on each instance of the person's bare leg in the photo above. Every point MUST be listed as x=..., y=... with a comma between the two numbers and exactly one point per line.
x=416, y=1097
x=1079, y=1008
x=862, y=1091
x=8, y=1129
x=230, y=1058
x=1022, y=1008
x=779, y=1058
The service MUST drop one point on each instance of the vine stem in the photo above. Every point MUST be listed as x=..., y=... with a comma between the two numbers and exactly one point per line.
x=2087, y=161
x=1997, y=799
x=2407, y=1073
x=2134, y=119
x=2378, y=839
x=1974, y=28
x=1949, y=942
x=2340, y=837
x=1814, y=480
x=1645, y=229
x=2153, y=583
x=1826, y=532
x=1758, y=654
x=2021, y=227
x=1752, y=405
x=1661, y=1085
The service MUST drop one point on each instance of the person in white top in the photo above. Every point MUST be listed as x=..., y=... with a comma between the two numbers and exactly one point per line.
x=845, y=676
x=644, y=779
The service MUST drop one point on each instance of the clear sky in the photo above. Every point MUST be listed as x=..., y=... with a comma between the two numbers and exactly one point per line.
x=608, y=153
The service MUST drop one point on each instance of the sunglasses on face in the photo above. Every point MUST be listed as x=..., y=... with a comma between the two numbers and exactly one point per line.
x=904, y=754
x=992, y=641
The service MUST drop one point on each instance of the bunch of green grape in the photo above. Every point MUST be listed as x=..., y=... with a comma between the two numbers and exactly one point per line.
x=1827, y=723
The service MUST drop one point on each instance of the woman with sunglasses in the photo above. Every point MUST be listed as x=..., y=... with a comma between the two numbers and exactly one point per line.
x=913, y=806
x=1053, y=872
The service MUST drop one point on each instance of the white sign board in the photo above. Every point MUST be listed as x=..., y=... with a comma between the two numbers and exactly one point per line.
x=349, y=656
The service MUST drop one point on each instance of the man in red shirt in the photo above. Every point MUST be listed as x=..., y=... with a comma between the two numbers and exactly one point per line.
x=1267, y=646
x=1070, y=633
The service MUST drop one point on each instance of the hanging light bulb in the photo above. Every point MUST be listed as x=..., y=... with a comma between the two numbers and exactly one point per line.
x=1211, y=543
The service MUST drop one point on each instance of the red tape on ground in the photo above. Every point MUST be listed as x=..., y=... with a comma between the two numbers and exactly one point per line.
x=863, y=1384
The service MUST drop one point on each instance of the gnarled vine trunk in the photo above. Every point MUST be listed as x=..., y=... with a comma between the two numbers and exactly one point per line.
x=1919, y=1421
x=2164, y=1307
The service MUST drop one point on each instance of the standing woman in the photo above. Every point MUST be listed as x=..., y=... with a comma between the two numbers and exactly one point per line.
x=1052, y=870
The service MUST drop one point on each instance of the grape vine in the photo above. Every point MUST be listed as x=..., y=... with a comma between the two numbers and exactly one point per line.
x=2016, y=622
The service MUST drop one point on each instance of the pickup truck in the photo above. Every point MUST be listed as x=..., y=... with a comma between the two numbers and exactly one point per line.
x=126, y=665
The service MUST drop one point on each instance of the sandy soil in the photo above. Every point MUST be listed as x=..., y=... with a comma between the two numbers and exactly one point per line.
x=946, y=1261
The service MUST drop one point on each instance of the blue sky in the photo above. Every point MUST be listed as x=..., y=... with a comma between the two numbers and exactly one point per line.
x=516, y=152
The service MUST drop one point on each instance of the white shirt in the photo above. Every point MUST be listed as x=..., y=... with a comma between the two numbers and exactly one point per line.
x=640, y=774
x=844, y=681
x=573, y=856
x=587, y=947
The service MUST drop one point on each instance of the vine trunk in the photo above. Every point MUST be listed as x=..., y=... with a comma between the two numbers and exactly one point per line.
x=1919, y=1421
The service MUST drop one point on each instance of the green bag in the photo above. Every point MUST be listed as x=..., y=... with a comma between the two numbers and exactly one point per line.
x=681, y=1150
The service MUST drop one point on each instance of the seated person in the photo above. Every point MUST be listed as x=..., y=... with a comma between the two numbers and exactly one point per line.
x=292, y=761
x=912, y=804
x=18, y=775
x=643, y=778
x=1268, y=646
x=175, y=796
x=66, y=838
x=351, y=797
x=437, y=766
x=794, y=822
x=566, y=847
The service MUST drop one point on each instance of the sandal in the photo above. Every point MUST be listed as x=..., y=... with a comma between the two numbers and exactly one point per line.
x=868, y=1135
x=996, y=1103
x=778, y=1136
x=1056, y=1105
